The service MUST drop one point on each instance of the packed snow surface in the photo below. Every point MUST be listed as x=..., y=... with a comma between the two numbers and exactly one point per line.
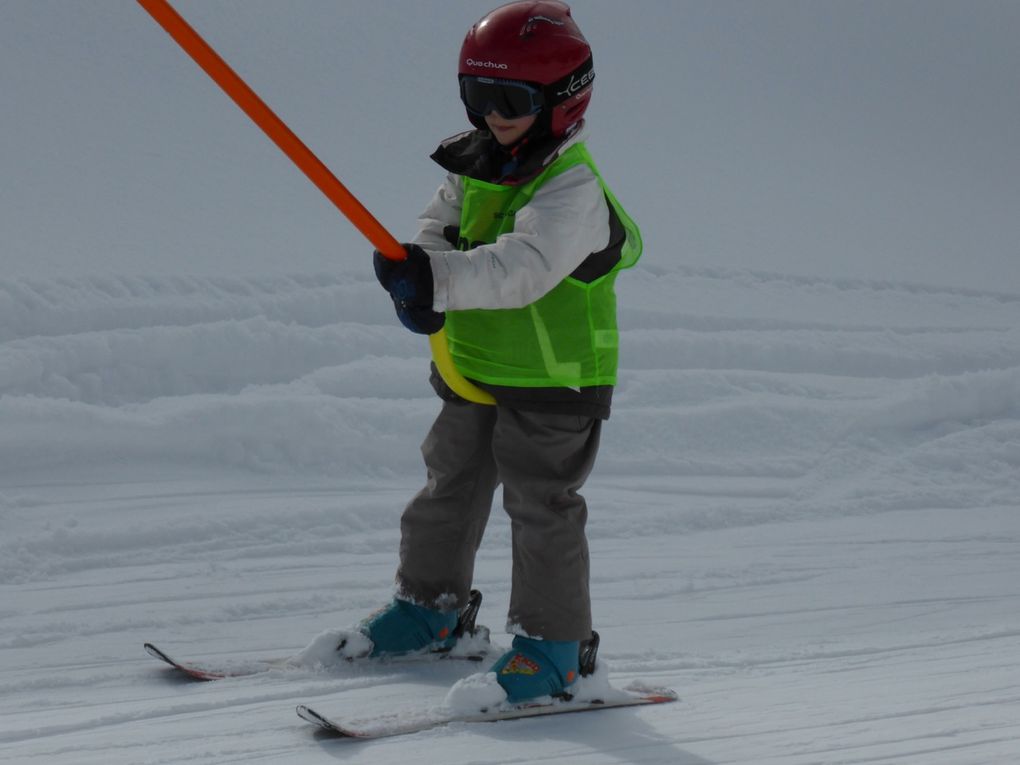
x=804, y=519
x=805, y=514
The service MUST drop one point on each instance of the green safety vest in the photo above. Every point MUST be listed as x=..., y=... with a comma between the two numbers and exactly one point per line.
x=566, y=338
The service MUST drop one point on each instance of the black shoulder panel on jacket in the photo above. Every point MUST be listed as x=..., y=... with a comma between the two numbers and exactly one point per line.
x=600, y=263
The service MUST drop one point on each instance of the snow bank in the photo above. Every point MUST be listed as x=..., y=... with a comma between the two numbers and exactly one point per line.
x=724, y=373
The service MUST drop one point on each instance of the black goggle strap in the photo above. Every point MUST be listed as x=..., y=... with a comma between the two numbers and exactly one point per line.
x=575, y=82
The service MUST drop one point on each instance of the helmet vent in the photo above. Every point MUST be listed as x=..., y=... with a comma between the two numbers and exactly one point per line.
x=532, y=24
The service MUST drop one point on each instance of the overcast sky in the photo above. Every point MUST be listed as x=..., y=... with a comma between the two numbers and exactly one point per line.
x=864, y=139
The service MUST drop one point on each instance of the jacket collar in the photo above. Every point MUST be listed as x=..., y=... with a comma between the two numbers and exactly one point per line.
x=476, y=154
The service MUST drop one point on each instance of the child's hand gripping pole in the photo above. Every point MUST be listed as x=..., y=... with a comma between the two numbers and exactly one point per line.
x=308, y=163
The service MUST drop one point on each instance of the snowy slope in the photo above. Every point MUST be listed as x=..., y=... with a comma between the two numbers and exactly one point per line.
x=804, y=519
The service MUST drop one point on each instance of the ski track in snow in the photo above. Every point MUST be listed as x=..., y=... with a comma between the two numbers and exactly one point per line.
x=804, y=519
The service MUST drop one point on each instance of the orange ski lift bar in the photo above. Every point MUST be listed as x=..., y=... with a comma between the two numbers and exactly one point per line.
x=309, y=164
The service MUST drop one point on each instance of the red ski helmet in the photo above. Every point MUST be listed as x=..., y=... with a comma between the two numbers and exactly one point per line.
x=535, y=42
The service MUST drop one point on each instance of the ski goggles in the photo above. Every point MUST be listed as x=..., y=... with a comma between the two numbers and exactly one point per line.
x=511, y=98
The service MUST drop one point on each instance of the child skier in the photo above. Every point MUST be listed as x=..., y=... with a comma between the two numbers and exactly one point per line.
x=516, y=255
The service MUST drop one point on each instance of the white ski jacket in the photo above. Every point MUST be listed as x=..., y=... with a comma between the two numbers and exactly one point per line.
x=565, y=222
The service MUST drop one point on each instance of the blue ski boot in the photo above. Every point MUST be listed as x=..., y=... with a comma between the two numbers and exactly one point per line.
x=403, y=627
x=535, y=668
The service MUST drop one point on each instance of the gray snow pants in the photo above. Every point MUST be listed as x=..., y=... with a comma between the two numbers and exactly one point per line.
x=542, y=460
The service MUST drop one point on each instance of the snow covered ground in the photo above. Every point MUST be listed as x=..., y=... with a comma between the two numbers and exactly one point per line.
x=805, y=515
x=804, y=519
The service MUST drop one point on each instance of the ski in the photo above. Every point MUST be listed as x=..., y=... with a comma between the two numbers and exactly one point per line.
x=473, y=645
x=234, y=668
x=406, y=722
x=223, y=669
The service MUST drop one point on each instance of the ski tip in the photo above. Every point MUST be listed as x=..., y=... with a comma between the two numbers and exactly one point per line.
x=310, y=715
x=156, y=653
x=195, y=673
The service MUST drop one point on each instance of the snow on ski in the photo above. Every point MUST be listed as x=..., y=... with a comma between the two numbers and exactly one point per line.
x=405, y=722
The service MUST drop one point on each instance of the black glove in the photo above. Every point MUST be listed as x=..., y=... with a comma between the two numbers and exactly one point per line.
x=409, y=283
